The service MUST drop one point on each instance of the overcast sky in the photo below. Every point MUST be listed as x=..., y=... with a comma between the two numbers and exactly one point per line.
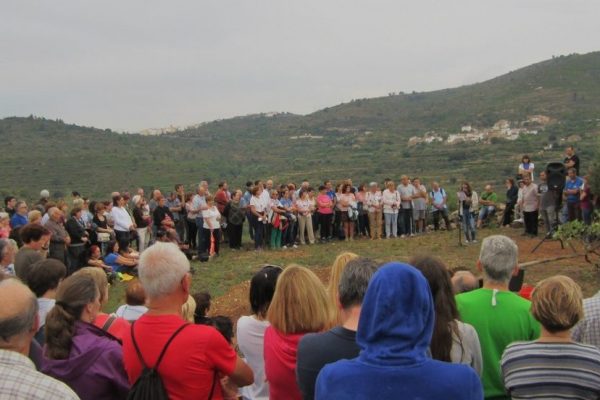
x=130, y=65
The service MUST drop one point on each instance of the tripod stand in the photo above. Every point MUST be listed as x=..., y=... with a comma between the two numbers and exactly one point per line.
x=548, y=236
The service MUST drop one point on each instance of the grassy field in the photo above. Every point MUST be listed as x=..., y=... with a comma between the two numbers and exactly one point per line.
x=226, y=277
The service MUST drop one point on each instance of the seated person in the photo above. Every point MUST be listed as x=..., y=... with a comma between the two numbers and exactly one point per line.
x=171, y=236
x=487, y=201
x=43, y=280
x=202, y=308
x=117, y=261
x=554, y=366
x=135, y=299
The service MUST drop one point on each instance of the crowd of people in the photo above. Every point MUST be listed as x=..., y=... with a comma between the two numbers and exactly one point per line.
x=285, y=216
x=376, y=331
x=414, y=330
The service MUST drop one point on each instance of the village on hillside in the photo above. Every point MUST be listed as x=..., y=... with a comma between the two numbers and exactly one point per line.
x=502, y=129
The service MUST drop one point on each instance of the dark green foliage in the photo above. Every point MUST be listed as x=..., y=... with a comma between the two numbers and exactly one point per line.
x=48, y=154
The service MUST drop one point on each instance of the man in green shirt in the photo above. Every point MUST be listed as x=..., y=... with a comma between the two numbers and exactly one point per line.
x=499, y=316
x=487, y=201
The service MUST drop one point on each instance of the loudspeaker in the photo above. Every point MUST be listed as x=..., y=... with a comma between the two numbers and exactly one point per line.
x=557, y=174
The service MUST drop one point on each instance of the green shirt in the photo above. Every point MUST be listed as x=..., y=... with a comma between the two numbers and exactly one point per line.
x=497, y=326
x=493, y=197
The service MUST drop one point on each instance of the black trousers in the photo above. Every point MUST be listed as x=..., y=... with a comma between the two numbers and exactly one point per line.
x=436, y=219
x=531, y=222
x=192, y=232
x=325, y=223
x=235, y=235
x=508, y=214
x=206, y=234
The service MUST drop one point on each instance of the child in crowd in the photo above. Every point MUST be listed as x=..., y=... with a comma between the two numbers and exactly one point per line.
x=202, y=307
x=135, y=299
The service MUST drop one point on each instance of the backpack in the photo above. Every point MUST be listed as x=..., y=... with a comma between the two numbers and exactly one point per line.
x=149, y=385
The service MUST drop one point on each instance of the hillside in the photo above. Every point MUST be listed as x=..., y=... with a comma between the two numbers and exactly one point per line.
x=365, y=139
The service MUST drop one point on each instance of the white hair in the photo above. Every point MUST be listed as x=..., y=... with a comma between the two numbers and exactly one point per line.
x=161, y=268
x=44, y=194
x=498, y=256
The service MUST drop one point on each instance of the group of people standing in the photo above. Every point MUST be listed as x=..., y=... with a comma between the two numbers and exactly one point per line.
x=530, y=196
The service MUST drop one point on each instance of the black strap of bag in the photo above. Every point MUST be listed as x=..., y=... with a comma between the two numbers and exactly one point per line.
x=162, y=353
x=108, y=323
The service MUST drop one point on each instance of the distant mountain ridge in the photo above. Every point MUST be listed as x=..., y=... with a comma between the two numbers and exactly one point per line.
x=564, y=87
x=364, y=139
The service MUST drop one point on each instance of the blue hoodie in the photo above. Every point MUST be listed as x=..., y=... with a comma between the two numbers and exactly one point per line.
x=394, y=333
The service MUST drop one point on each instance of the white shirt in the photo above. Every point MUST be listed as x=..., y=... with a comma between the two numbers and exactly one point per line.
x=304, y=206
x=373, y=199
x=131, y=313
x=258, y=204
x=213, y=216
x=390, y=199
x=44, y=307
x=121, y=219
x=265, y=196
x=251, y=337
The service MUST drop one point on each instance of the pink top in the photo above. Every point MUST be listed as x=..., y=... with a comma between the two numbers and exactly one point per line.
x=5, y=232
x=325, y=204
x=346, y=198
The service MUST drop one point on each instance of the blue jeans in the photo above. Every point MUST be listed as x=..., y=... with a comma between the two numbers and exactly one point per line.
x=259, y=231
x=469, y=225
x=391, y=224
x=485, y=212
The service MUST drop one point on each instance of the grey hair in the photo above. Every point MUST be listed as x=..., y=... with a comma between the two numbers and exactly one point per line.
x=355, y=280
x=498, y=256
x=24, y=320
x=373, y=184
x=161, y=268
x=4, y=215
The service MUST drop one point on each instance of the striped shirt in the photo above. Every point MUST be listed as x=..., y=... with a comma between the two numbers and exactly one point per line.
x=588, y=329
x=535, y=370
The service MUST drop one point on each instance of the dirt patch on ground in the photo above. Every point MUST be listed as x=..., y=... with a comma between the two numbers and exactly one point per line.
x=235, y=301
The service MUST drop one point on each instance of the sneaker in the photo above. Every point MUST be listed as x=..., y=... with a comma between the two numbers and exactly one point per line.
x=474, y=241
x=402, y=236
x=284, y=247
x=295, y=246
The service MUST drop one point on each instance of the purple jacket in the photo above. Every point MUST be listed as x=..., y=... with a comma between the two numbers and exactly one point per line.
x=94, y=369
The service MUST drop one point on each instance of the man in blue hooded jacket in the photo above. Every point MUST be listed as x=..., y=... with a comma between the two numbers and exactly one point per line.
x=394, y=333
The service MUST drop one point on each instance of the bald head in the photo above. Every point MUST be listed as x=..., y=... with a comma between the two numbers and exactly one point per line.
x=464, y=281
x=17, y=322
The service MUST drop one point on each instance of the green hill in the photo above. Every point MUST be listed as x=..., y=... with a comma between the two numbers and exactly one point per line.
x=365, y=139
